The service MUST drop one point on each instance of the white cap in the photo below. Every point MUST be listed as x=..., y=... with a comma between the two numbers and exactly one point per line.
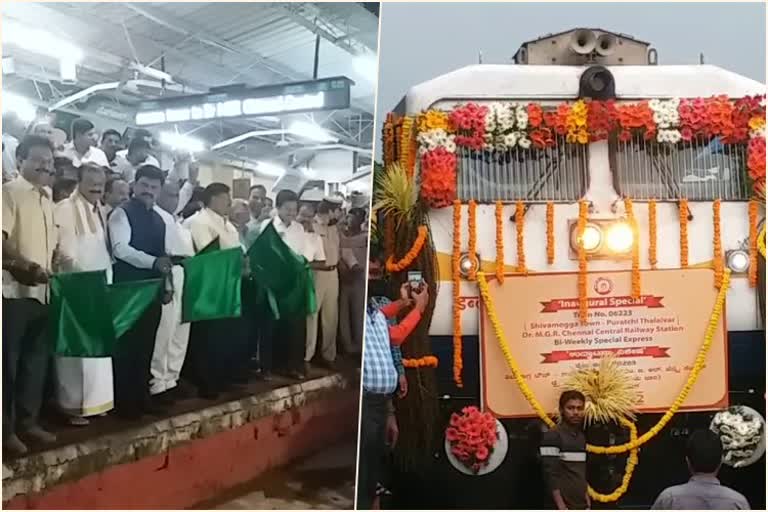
x=336, y=200
x=313, y=194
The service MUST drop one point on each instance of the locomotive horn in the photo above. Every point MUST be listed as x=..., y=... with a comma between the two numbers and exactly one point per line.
x=583, y=41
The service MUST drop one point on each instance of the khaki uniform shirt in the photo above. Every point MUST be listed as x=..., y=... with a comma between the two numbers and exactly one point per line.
x=330, y=237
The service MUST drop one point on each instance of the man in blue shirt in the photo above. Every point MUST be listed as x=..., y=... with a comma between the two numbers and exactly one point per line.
x=703, y=491
x=378, y=425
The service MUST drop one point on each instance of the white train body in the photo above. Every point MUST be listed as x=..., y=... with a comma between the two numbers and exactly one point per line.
x=526, y=83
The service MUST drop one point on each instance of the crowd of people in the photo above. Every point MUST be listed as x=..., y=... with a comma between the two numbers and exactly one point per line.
x=101, y=203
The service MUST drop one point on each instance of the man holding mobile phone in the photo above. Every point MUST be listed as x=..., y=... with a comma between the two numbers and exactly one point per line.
x=380, y=379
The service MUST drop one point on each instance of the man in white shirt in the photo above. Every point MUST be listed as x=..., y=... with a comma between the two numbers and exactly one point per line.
x=116, y=193
x=172, y=335
x=126, y=163
x=314, y=252
x=82, y=149
x=29, y=241
x=84, y=385
x=213, y=358
x=110, y=144
x=291, y=331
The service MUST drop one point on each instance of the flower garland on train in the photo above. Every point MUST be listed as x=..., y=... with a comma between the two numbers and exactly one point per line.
x=502, y=126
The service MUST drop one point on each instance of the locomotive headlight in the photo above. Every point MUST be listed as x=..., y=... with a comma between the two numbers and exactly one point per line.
x=608, y=239
x=467, y=263
x=737, y=260
x=619, y=237
x=590, y=240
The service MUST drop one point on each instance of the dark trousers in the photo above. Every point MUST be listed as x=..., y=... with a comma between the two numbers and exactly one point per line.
x=26, y=356
x=372, y=447
x=132, y=359
x=264, y=326
x=217, y=353
x=290, y=343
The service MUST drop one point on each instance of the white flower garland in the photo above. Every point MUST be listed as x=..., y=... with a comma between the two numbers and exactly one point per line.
x=436, y=138
x=667, y=119
x=505, y=125
x=741, y=431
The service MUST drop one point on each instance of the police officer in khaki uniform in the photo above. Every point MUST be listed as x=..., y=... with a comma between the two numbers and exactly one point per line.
x=326, y=285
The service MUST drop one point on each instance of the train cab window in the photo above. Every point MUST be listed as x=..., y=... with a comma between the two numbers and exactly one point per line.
x=558, y=174
x=700, y=170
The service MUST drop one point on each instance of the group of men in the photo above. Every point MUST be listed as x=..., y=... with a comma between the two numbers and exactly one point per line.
x=127, y=217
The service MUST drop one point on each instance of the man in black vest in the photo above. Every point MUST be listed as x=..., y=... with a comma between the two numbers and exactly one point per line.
x=137, y=235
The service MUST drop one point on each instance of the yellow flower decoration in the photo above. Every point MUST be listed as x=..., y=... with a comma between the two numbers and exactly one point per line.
x=756, y=123
x=433, y=120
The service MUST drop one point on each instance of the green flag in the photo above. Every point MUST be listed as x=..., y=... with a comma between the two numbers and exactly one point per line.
x=129, y=300
x=88, y=316
x=284, y=275
x=212, y=283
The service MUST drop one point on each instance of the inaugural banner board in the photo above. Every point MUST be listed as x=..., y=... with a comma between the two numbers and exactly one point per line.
x=655, y=338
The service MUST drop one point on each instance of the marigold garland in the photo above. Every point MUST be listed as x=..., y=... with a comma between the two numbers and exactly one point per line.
x=761, y=242
x=652, y=253
x=421, y=362
x=635, y=248
x=389, y=141
x=629, y=469
x=407, y=153
x=412, y=253
x=520, y=232
x=500, y=242
x=717, y=249
x=636, y=442
x=472, y=244
x=458, y=363
x=753, y=210
x=582, y=279
x=550, y=232
x=683, y=213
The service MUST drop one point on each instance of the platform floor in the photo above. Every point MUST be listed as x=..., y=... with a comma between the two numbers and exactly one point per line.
x=110, y=424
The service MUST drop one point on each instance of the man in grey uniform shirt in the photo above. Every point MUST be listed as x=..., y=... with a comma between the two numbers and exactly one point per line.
x=564, y=455
x=703, y=491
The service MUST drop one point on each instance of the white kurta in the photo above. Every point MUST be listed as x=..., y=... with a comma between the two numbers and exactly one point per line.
x=172, y=337
x=83, y=385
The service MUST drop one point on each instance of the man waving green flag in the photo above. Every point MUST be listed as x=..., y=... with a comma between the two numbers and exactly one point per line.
x=282, y=275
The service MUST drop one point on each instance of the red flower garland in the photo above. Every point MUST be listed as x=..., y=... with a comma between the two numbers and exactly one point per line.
x=468, y=121
x=602, y=119
x=438, y=178
x=472, y=437
x=756, y=164
x=636, y=118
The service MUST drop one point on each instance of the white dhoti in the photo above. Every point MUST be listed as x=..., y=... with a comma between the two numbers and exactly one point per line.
x=84, y=385
x=171, y=341
x=327, y=295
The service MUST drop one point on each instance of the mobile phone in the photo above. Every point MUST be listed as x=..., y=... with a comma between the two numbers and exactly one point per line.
x=415, y=279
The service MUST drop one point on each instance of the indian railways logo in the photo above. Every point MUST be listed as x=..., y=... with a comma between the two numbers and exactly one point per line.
x=603, y=286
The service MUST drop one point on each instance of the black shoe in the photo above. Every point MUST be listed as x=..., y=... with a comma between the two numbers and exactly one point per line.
x=297, y=375
x=164, y=399
x=329, y=365
x=266, y=376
